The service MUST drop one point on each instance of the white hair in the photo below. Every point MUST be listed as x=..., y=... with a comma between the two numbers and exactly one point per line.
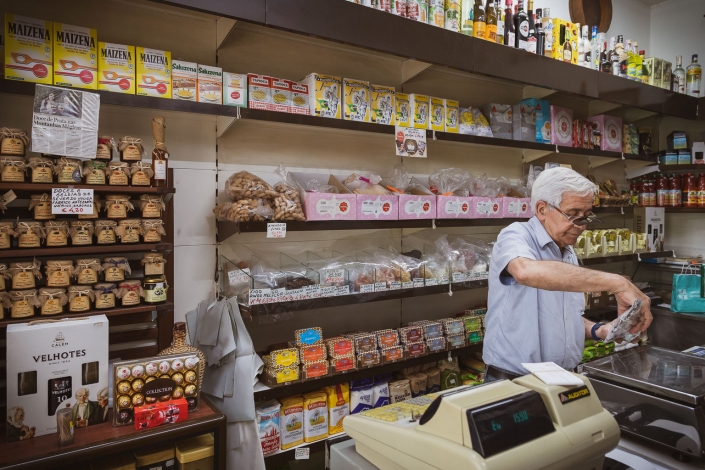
x=551, y=185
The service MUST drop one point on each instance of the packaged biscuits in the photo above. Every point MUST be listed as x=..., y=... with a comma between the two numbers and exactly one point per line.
x=313, y=352
x=419, y=110
x=259, y=91
x=281, y=95
x=210, y=84
x=452, y=109
x=437, y=114
x=308, y=336
x=299, y=98
x=403, y=110
x=340, y=347
x=184, y=78
x=340, y=364
x=383, y=105
x=312, y=370
x=324, y=93
x=356, y=98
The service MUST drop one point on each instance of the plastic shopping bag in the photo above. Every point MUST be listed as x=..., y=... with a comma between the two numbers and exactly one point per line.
x=685, y=297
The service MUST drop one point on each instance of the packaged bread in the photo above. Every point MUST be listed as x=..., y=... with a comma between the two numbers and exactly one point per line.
x=245, y=185
x=338, y=406
x=315, y=416
x=292, y=421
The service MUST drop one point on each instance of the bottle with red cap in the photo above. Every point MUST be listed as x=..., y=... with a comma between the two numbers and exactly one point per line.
x=690, y=191
x=661, y=190
x=674, y=185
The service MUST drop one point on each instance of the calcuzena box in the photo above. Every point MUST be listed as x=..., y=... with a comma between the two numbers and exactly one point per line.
x=56, y=365
x=28, y=49
x=75, y=56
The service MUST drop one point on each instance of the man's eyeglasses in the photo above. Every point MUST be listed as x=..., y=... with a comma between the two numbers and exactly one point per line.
x=579, y=220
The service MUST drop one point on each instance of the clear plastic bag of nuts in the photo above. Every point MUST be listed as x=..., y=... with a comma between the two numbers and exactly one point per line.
x=244, y=185
x=244, y=210
x=287, y=204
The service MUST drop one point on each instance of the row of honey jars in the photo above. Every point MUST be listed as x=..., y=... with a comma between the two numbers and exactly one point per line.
x=14, y=142
x=117, y=206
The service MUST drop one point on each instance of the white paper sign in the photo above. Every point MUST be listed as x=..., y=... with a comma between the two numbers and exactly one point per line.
x=459, y=277
x=410, y=142
x=334, y=276
x=380, y=286
x=258, y=296
x=239, y=276
x=551, y=373
x=276, y=230
x=342, y=290
x=301, y=453
x=418, y=282
x=71, y=201
x=366, y=288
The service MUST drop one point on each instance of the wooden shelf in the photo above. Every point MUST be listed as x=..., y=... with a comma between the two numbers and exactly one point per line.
x=283, y=456
x=299, y=388
x=353, y=299
x=613, y=210
x=624, y=258
x=84, y=250
x=111, y=312
x=25, y=189
x=680, y=168
x=102, y=440
x=685, y=210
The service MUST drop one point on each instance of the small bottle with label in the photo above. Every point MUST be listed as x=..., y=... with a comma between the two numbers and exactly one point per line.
x=160, y=154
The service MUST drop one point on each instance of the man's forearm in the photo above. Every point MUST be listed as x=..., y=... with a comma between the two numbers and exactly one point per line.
x=557, y=276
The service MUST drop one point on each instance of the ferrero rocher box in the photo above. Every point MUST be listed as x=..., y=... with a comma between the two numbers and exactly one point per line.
x=62, y=364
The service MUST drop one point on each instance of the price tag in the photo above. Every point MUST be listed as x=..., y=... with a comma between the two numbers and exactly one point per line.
x=394, y=285
x=444, y=280
x=301, y=453
x=459, y=277
x=328, y=291
x=334, y=276
x=273, y=295
x=312, y=292
x=409, y=285
x=239, y=276
x=367, y=288
x=71, y=201
x=432, y=282
x=291, y=295
x=342, y=290
x=8, y=197
x=276, y=230
x=258, y=295
x=418, y=282
x=380, y=286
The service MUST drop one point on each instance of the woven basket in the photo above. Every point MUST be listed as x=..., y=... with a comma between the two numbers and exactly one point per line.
x=179, y=346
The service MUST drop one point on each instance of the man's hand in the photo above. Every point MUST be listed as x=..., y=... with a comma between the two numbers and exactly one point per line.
x=626, y=295
x=604, y=330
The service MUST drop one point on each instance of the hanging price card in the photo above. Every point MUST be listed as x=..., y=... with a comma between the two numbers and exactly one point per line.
x=71, y=201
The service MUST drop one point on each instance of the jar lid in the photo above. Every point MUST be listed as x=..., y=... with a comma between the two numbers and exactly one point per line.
x=87, y=261
x=29, y=224
x=3, y=267
x=40, y=197
x=130, y=222
x=7, y=224
x=13, y=132
x=80, y=289
x=105, y=223
x=118, y=165
x=131, y=282
x=141, y=165
x=56, y=224
x=8, y=159
x=39, y=159
x=153, y=258
x=150, y=198
x=20, y=294
x=106, y=139
x=156, y=278
x=115, y=259
x=105, y=287
x=117, y=197
x=94, y=164
x=81, y=223
x=51, y=290
x=69, y=161
x=26, y=265
x=56, y=262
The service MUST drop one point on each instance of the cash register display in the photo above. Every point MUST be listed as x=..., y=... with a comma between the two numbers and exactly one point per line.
x=505, y=424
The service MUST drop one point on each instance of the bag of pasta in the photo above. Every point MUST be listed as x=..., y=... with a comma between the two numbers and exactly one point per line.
x=245, y=185
x=287, y=203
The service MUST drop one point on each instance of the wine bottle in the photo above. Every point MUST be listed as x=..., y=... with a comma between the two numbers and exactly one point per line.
x=509, y=31
x=531, y=38
x=491, y=22
x=521, y=26
x=540, y=34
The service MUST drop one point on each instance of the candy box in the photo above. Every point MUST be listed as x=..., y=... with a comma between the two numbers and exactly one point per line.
x=184, y=78
x=453, y=207
x=116, y=68
x=356, y=96
x=524, y=122
x=611, y=129
x=168, y=412
x=516, y=208
x=486, y=207
x=561, y=126
x=325, y=206
x=452, y=108
x=383, y=104
x=437, y=114
x=418, y=202
x=56, y=365
x=342, y=363
x=281, y=95
x=210, y=84
x=28, y=39
x=299, y=98
x=373, y=207
x=403, y=110
x=419, y=105
x=235, y=89
x=259, y=91
x=542, y=111
x=324, y=94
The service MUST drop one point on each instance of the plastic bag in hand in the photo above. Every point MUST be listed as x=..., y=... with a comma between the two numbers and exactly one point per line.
x=450, y=181
x=624, y=323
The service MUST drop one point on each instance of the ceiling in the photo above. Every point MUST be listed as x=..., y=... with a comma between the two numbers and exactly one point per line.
x=652, y=2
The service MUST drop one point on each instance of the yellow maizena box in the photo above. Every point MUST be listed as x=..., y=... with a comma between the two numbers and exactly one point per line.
x=28, y=49
x=153, y=72
x=324, y=95
x=116, y=67
x=75, y=56
x=403, y=109
x=437, y=114
x=452, y=113
x=383, y=104
x=356, y=96
x=419, y=110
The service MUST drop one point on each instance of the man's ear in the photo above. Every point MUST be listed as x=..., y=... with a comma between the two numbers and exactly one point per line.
x=541, y=210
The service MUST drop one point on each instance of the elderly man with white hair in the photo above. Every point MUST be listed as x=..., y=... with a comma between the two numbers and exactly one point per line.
x=535, y=298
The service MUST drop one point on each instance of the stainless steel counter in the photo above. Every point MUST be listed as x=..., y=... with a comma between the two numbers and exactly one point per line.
x=677, y=331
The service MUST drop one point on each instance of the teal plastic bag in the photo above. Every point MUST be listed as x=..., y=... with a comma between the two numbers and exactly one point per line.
x=685, y=297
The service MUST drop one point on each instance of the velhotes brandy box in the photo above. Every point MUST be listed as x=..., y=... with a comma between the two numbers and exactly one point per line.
x=56, y=365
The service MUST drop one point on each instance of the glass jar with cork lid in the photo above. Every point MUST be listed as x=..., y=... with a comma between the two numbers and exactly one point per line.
x=130, y=149
x=141, y=174
x=41, y=205
x=41, y=169
x=118, y=174
x=13, y=142
x=118, y=205
x=4, y=274
x=96, y=210
x=29, y=234
x=69, y=170
x=104, y=295
x=105, y=232
x=59, y=273
x=106, y=145
x=6, y=233
x=94, y=172
x=130, y=292
x=152, y=230
x=151, y=206
x=86, y=272
x=114, y=268
x=57, y=232
x=153, y=264
x=129, y=231
x=80, y=298
x=52, y=300
x=12, y=169
x=25, y=274
x=23, y=303
x=81, y=232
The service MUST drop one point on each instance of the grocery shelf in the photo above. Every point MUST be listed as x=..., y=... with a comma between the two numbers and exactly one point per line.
x=613, y=210
x=685, y=210
x=84, y=250
x=623, y=258
x=299, y=388
x=111, y=312
x=678, y=168
x=281, y=457
x=353, y=299
x=25, y=189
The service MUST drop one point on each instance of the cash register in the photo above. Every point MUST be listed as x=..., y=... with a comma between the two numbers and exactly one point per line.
x=519, y=424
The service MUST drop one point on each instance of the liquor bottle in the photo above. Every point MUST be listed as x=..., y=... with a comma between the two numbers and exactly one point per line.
x=500, y=23
x=540, y=34
x=521, y=26
x=581, y=47
x=614, y=58
x=694, y=75
x=678, y=76
x=606, y=58
x=567, y=49
x=639, y=58
x=160, y=154
x=491, y=22
x=466, y=11
x=547, y=26
x=596, y=48
x=509, y=31
x=631, y=64
x=531, y=38
x=587, y=46
x=479, y=20
x=622, y=56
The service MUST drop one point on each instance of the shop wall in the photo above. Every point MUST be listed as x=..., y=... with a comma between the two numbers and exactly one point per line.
x=678, y=28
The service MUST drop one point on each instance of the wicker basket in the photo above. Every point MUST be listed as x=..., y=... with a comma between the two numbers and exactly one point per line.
x=180, y=346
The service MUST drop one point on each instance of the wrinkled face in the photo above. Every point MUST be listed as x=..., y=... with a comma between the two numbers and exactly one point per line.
x=82, y=396
x=563, y=232
x=102, y=401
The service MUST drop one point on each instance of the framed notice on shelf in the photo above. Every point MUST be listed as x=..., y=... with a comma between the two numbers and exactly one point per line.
x=410, y=142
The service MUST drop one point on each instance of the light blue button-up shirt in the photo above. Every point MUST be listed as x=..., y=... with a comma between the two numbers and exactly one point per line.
x=524, y=324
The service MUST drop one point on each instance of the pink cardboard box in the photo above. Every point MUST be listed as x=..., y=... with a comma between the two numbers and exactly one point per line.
x=371, y=207
x=561, y=126
x=418, y=202
x=610, y=128
x=453, y=207
x=486, y=207
x=326, y=206
x=516, y=208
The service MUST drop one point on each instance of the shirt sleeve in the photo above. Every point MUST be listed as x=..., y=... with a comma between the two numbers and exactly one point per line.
x=513, y=242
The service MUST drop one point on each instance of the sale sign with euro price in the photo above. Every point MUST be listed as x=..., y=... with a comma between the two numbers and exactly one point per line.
x=410, y=142
x=71, y=201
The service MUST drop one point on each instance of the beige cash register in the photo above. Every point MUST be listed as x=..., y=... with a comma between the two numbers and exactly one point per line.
x=509, y=425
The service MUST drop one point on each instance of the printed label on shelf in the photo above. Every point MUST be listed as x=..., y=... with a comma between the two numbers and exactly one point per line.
x=312, y=292
x=342, y=290
x=328, y=291
x=8, y=197
x=71, y=201
x=418, y=282
x=484, y=207
x=409, y=285
x=276, y=230
x=517, y=207
x=459, y=277
x=394, y=285
x=332, y=207
x=417, y=207
x=431, y=282
x=410, y=142
x=258, y=295
x=443, y=280
x=367, y=288
x=302, y=453
x=239, y=276
x=291, y=295
x=334, y=276
x=380, y=286
x=273, y=295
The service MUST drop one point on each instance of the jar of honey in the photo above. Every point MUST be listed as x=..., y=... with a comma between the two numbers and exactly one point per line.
x=41, y=169
x=118, y=174
x=12, y=169
x=80, y=298
x=155, y=289
x=86, y=272
x=105, y=232
x=4, y=274
x=25, y=274
x=57, y=232
x=153, y=264
x=131, y=149
x=701, y=190
x=129, y=230
x=52, y=301
x=141, y=174
x=23, y=303
x=81, y=232
x=29, y=234
x=117, y=206
x=152, y=230
x=59, y=273
x=114, y=268
x=151, y=206
x=104, y=152
x=41, y=205
x=69, y=170
x=130, y=292
x=94, y=172
x=6, y=233
x=13, y=142
x=104, y=295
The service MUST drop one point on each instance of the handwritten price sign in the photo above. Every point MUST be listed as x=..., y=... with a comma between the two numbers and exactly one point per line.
x=71, y=201
x=276, y=230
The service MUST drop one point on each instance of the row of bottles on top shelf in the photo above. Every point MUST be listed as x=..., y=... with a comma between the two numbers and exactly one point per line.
x=661, y=190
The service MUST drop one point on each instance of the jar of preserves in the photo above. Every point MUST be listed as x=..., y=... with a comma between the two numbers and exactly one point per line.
x=6, y=233
x=94, y=172
x=81, y=232
x=86, y=272
x=130, y=292
x=153, y=264
x=24, y=275
x=80, y=298
x=4, y=274
x=29, y=234
x=674, y=186
x=104, y=295
x=129, y=230
x=118, y=205
x=118, y=174
x=151, y=206
x=131, y=149
x=155, y=289
x=41, y=169
x=104, y=152
x=13, y=142
x=57, y=232
x=105, y=232
x=152, y=230
x=114, y=268
x=12, y=169
x=661, y=190
x=96, y=210
x=69, y=170
x=52, y=301
x=690, y=191
x=59, y=273
x=701, y=190
x=41, y=205
x=23, y=303
x=141, y=174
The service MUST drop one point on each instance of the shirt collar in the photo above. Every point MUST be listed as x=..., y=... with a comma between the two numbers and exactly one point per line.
x=542, y=235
